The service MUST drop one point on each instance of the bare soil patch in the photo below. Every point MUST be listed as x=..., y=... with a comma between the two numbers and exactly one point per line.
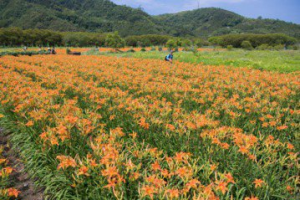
x=19, y=178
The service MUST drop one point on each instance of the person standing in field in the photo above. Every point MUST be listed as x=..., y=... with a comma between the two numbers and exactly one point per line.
x=53, y=51
x=169, y=57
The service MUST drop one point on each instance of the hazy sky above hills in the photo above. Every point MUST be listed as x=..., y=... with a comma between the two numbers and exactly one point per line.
x=287, y=10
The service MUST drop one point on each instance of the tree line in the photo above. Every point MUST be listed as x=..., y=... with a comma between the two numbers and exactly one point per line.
x=10, y=37
x=252, y=40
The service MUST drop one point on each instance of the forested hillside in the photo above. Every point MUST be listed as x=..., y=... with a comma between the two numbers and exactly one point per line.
x=105, y=16
x=214, y=21
x=76, y=15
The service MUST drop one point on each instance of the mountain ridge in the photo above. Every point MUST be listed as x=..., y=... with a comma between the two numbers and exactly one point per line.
x=106, y=16
x=216, y=21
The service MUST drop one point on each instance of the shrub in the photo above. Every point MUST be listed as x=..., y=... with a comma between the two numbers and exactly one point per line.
x=229, y=47
x=31, y=37
x=295, y=47
x=199, y=43
x=114, y=40
x=206, y=43
x=215, y=40
x=171, y=44
x=279, y=47
x=186, y=43
x=194, y=50
x=263, y=47
x=131, y=50
x=83, y=39
x=160, y=48
x=186, y=49
x=27, y=53
x=270, y=48
x=153, y=48
x=147, y=40
x=143, y=49
x=256, y=40
x=247, y=45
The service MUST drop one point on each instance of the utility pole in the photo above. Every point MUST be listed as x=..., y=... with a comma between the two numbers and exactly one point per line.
x=198, y=5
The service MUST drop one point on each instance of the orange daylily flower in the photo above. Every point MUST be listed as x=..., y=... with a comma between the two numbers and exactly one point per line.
x=229, y=178
x=2, y=160
x=222, y=186
x=251, y=198
x=192, y=184
x=83, y=171
x=12, y=192
x=30, y=123
x=110, y=171
x=258, y=183
x=172, y=193
x=149, y=191
x=65, y=162
x=155, y=166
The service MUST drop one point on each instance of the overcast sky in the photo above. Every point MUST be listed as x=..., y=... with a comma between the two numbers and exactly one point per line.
x=287, y=10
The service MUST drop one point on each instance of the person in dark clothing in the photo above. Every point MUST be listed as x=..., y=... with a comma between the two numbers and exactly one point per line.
x=53, y=51
x=169, y=57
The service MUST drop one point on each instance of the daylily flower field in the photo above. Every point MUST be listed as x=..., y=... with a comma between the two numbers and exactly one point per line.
x=96, y=127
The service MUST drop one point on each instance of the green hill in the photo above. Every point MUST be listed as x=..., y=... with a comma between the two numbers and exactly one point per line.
x=76, y=15
x=105, y=16
x=214, y=21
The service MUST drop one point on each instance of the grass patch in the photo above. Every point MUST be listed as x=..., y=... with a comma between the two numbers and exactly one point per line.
x=281, y=61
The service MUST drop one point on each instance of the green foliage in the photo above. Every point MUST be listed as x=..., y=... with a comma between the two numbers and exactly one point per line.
x=255, y=40
x=263, y=47
x=23, y=53
x=214, y=22
x=114, y=40
x=195, y=51
x=215, y=40
x=282, y=61
x=35, y=37
x=178, y=42
x=246, y=45
x=201, y=42
x=68, y=51
x=229, y=47
x=171, y=44
x=18, y=37
x=77, y=15
x=131, y=50
x=198, y=43
x=295, y=47
x=186, y=43
x=83, y=39
x=146, y=40
x=279, y=47
x=105, y=16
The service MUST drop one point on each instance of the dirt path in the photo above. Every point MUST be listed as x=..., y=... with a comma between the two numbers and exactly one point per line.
x=19, y=178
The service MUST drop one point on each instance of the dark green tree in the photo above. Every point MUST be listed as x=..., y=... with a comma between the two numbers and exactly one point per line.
x=114, y=40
